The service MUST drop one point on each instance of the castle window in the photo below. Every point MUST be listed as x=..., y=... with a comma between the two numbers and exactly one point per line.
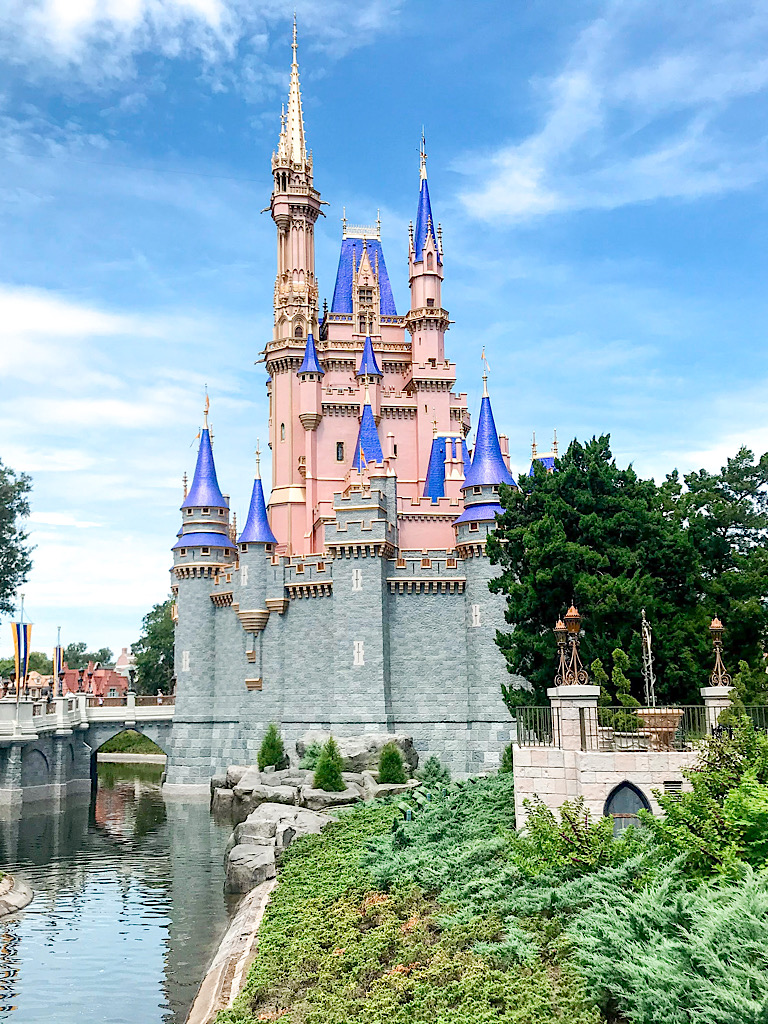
x=282, y=431
x=365, y=296
x=358, y=653
x=205, y=511
x=300, y=567
x=430, y=303
x=394, y=450
x=426, y=563
x=222, y=511
x=402, y=564
x=357, y=579
x=362, y=329
x=205, y=551
x=229, y=577
x=298, y=331
x=430, y=261
x=450, y=563
x=189, y=511
x=243, y=548
x=477, y=490
x=244, y=576
x=185, y=661
x=475, y=615
x=321, y=566
x=268, y=547
x=339, y=451
x=474, y=527
x=182, y=551
x=624, y=804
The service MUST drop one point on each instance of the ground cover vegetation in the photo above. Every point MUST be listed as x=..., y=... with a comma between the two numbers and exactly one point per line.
x=599, y=536
x=455, y=916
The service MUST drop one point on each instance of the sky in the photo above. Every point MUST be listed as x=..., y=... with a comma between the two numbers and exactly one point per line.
x=600, y=170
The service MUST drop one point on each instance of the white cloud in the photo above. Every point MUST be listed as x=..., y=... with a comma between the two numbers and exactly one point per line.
x=642, y=110
x=98, y=40
x=64, y=519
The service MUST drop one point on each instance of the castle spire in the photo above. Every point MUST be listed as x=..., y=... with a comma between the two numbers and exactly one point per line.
x=368, y=445
x=257, y=529
x=311, y=363
x=488, y=466
x=205, y=490
x=295, y=142
x=425, y=223
x=368, y=365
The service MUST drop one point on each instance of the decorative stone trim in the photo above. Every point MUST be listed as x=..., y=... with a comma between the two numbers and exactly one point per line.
x=416, y=585
x=193, y=572
x=310, y=420
x=309, y=589
x=382, y=549
x=255, y=620
x=250, y=656
x=475, y=550
x=222, y=599
x=253, y=684
x=277, y=604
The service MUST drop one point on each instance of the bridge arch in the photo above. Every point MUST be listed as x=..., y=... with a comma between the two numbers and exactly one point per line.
x=35, y=767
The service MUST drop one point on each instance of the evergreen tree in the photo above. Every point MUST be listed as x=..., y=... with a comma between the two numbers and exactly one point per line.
x=154, y=650
x=434, y=774
x=15, y=553
x=600, y=536
x=391, y=770
x=272, y=751
x=626, y=720
x=328, y=771
x=507, y=763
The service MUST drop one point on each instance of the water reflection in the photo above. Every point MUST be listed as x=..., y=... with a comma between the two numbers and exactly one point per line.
x=128, y=906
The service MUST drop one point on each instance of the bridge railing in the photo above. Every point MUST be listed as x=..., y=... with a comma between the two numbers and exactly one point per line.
x=28, y=718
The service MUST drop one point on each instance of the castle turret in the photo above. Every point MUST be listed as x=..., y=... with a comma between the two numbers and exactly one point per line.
x=371, y=377
x=368, y=444
x=203, y=548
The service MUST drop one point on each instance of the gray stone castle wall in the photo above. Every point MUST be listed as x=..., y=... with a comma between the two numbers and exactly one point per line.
x=430, y=664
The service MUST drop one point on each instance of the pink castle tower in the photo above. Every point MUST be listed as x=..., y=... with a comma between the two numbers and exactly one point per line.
x=368, y=390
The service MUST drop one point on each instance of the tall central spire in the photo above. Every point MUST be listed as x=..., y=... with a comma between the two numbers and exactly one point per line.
x=294, y=127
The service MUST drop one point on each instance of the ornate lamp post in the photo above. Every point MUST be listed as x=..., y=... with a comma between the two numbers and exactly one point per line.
x=570, y=671
x=719, y=676
x=80, y=673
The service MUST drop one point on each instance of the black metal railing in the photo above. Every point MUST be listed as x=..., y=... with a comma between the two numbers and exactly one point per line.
x=537, y=726
x=661, y=728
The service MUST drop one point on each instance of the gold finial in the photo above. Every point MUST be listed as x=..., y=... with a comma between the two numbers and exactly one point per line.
x=206, y=407
x=184, y=482
x=486, y=368
x=295, y=43
x=258, y=460
x=554, y=444
x=343, y=222
x=367, y=395
x=534, y=449
x=434, y=422
x=423, y=156
x=378, y=223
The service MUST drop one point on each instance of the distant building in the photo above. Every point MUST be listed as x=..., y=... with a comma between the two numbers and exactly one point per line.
x=96, y=680
x=124, y=663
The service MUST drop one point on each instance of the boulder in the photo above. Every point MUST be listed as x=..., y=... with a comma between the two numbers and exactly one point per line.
x=221, y=801
x=249, y=866
x=359, y=753
x=292, y=777
x=235, y=772
x=251, y=777
x=248, y=802
x=321, y=800
x=218, y=781
x=261, y=833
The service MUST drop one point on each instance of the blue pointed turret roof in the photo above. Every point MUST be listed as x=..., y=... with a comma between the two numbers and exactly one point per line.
x=434, y=485
x=368, y=445
x=425, y=224
x=310, y=364
x=368, y=365
x=205, y=490
x=257, y=529
x=488, y=466
x=349, y=262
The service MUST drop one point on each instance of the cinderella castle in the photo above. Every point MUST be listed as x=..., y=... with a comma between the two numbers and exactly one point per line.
x=357, y=600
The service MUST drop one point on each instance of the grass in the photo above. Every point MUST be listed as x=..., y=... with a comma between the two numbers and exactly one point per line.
x=362, y=928
x=130, y=742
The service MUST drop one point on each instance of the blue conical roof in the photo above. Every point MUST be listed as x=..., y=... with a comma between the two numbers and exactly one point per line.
x=310, y=364
x=368, y=446
x=488, y=466
x=425, y=225
x=368, y=365
x=205, y=491
x=257, y=529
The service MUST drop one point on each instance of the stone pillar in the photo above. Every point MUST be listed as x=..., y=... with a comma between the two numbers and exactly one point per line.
x=567, y=702
x=716, y=699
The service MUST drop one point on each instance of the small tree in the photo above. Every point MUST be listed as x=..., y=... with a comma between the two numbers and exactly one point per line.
x=626, y=720
x=328, y=771
x=507, y=764
x=434, y=773
x=600, y=676
x=391, y=770
x=271, y=751
x=311, y=756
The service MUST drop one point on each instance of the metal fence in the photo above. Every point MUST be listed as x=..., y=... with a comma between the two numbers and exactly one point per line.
x=604, y=729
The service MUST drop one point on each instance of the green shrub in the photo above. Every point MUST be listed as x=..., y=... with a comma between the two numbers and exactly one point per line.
x=391, y=770
x=311, y=756
x=328, y=771
x=130, y=742
x=434, y=774
x=507, y=764
x=272, y=751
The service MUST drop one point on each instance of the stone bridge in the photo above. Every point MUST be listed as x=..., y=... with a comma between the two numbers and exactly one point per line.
x=48, y=749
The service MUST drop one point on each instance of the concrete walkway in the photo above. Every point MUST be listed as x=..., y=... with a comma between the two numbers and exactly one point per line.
x=234, y=956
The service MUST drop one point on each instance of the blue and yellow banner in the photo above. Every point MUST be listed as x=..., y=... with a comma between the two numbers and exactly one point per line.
x=22, y=638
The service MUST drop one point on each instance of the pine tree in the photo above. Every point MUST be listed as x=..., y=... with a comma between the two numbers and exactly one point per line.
x=328, y=771
x=271, y=751
x=391, y=770
x=434, y=774
x=507, y=764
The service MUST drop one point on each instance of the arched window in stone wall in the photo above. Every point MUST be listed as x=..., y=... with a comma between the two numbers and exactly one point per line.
x=623, y=805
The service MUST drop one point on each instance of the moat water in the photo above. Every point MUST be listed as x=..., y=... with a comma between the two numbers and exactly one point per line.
x=128, y=908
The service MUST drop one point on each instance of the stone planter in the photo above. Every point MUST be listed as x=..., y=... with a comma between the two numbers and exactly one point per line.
x=661, y=725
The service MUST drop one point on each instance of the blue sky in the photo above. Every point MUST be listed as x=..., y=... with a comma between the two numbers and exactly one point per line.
x=599, y=170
